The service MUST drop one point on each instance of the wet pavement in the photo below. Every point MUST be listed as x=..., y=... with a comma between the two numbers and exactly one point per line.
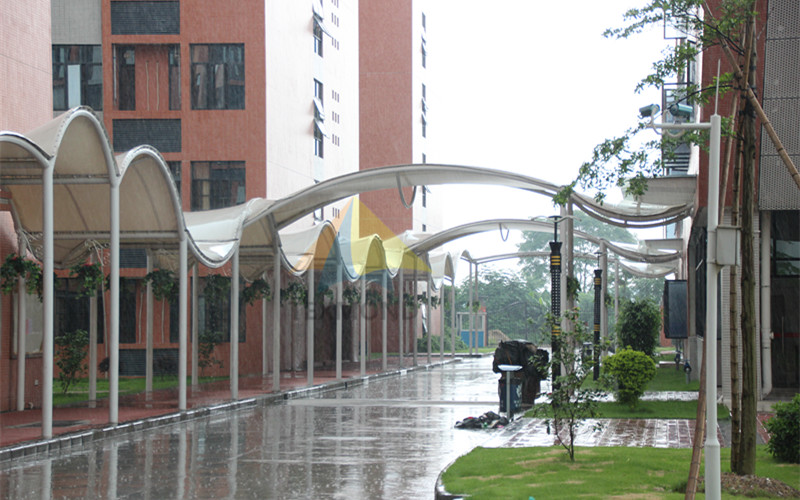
x=379, y=437
x=387, y=438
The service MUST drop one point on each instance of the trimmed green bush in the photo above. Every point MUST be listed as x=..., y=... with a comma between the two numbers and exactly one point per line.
x=639, y=323
x=784, y=431
x=631, y=371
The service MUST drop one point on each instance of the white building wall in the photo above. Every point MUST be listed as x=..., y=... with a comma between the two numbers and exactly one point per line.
x=291, y=68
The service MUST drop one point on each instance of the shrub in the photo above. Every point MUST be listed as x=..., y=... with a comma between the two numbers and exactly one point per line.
x=631, y=371
x=639, y=324
x=784, y=430
x=70, y=353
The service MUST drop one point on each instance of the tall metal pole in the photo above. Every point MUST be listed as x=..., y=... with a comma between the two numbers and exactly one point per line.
x=183, y=318
x=113, y=344
x=401, y=315
x=598, y=300
x=234, y=336
x=713, y=481
x=555, y=302
x=310, y=308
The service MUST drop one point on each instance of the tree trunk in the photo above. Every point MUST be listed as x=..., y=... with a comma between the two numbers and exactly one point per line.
x=746, y=463
x=736, y=391
x=699, y=433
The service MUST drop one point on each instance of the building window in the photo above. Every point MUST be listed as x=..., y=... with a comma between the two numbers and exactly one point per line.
x=125, y=78
x=175, y=170
x=424, y=52
x=71, y=311
x=174, y=77
x=424, y=196
x=217, y=76
x=319, y=139
x=77, y=76
x=424, y=228
x=214, y=315
x=424, y=158
x=424, y=127
x=317, y=38
x=217, y=184
x=424, y=26
x=319, y=215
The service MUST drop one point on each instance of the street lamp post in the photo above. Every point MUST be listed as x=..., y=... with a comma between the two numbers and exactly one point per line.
x=555, y=301
x=598, y=285
x=713, y=267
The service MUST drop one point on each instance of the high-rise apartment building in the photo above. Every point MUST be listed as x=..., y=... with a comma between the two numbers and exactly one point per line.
x=394, y=109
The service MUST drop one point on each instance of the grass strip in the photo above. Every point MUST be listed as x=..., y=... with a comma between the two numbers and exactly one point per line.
x=597, y=473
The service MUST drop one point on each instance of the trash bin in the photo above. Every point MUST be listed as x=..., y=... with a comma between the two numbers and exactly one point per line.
x=516, y=393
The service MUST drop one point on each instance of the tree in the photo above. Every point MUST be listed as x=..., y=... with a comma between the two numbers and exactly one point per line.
x=571, y=401
x=730, y=30
x=70, y=353
x=639, y=324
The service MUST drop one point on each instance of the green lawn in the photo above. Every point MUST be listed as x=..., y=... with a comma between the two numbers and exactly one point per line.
x=669, y=379
x=597, y=473
x=79, y=391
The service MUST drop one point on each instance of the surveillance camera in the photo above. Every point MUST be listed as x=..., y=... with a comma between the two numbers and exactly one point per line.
x=683, y=111
x=649, y=111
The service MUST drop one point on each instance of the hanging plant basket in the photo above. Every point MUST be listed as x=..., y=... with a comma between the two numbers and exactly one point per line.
x=14, y=268
x=257, y=290
x=216, y=287
x=163, y=283
x=295, y=293
x=90, y=278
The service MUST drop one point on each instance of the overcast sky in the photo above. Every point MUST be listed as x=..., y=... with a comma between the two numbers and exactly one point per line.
x=529, y=87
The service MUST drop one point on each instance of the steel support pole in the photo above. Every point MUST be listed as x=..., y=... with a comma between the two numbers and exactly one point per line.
x=22, y=344
x=310, y=308
x=429, y=291
x=470, y=309
x=555, y=307
x=264, y=342
x=183, y=319
x=276, y=321
x=148, y=369
x=339, y=293
x=195, y=326
x=384, y=321
x=234, y=333
x=113, y=380
x=766, y=303
x=47, y=302
x=401, y=316
x=362, y=313
x=453, y=318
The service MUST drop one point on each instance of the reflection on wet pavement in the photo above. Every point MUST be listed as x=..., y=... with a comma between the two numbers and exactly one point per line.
x=389, y=438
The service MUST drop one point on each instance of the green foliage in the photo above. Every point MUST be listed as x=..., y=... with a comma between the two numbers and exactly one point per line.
x=208, y=341
x=351, y=295
x=70, y=353
x=163, y=283
x=257, y=290
x=639, y=324
x=572, y=400
x=784, y=430
x=90, y=278
x=631, y=371
x=14, y=268
x=217, y=287
x=295, y=293
x=422, y=344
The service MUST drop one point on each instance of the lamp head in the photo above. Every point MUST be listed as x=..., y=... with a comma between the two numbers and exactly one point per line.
x=649, y=111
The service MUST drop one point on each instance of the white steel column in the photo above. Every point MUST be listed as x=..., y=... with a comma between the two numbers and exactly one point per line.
x=475, y=313
x=384, y=319
x=339, y=293
x=453, y=318
x=195, y=326
x=276, y=321
x=148, y=361
x=310, y=325
x=415, y=309
x=363, y=325
x=401, y=315
x=766, y=303
x=470, y=309
x=441, y=321
x=183, y=319
x=22, y=347
x=113, y=344
x=264, y=367
x=429, y=291
x=47, y=302
x=93, y=350
x=234, y=336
